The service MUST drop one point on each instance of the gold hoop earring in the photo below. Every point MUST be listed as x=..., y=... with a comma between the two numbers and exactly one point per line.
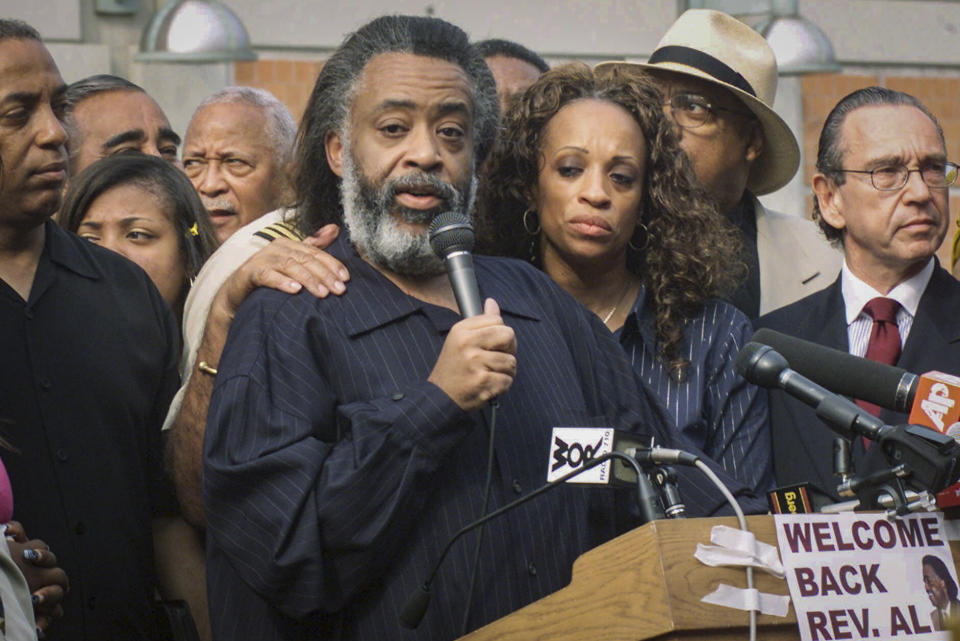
x=646, y=238
x=526, y=222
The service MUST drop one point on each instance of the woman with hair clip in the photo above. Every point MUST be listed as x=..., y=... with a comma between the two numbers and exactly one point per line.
x=589, y=184
x=146, y=209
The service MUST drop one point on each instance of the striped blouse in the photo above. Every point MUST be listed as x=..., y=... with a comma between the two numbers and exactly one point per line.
x=716, y=409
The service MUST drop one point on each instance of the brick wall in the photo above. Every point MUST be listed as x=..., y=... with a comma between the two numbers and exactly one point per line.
x=291, y=81
x=822, y=91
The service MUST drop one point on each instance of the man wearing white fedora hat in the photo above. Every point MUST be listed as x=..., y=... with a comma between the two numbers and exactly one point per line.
x=719, y=78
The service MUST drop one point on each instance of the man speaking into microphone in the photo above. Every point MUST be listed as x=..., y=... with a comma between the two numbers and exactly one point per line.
x=347, y=439
x=881, y=192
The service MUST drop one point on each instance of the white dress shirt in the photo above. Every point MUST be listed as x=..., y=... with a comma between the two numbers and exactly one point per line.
x=857, y=293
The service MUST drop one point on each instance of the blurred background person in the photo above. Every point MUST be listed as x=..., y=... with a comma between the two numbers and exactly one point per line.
x=147, y=210
x=588, y=184
x=719, y=79
x=89, y=368
x=107, y=115
x=514, y=67
x=237, y=153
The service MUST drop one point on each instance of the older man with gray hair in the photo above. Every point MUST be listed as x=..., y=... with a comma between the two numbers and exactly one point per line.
x=237, y=151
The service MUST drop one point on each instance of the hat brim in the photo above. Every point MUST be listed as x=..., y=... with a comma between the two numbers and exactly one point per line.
x=780, y=158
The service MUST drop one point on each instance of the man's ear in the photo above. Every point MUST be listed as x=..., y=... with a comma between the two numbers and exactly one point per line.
x=333, y=146
x=755, y=143
x=829, y=200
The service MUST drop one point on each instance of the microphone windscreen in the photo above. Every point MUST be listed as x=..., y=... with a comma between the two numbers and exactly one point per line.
x=840, y=372
x=449, y=232
x=760, y=364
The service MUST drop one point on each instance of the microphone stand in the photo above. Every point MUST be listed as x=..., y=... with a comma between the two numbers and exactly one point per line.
x=665, y=478
x=905, y=455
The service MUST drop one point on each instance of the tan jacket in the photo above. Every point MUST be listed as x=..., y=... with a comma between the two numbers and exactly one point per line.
x=795, y=258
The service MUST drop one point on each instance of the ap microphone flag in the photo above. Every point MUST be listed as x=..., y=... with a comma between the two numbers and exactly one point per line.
x=937, y=405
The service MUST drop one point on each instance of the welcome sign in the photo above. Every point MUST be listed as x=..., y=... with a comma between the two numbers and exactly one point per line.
x=864, y=576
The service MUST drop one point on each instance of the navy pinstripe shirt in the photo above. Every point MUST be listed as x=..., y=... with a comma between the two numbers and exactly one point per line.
x=334, y=473
x=717, y=410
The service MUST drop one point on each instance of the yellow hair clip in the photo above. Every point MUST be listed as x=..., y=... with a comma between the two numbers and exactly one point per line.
x=195, y=231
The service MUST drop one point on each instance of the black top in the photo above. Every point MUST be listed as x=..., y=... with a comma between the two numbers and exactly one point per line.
x=89, y=368
x=746, y=297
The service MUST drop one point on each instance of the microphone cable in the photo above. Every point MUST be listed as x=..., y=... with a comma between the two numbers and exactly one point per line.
x=413, y=611
x=742, y=522
x=665, y=455
x=483, y=512
x=416, y=606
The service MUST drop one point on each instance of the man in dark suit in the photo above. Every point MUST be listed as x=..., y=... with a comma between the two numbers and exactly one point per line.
x=882, y=194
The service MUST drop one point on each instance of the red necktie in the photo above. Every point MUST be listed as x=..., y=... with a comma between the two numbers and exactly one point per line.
x=884, y=345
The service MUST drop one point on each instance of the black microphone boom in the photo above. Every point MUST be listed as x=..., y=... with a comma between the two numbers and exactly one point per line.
x=764, y=366
x=452, y=239
x=885, y=385
x=932, y=459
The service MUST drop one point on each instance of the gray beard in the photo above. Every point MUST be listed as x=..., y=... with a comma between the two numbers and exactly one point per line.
x=372, y=218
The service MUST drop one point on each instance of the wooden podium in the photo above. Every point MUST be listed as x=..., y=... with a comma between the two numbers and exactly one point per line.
x=647, y=584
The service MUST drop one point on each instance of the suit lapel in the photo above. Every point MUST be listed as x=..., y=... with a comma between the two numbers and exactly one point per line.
x=832, y=329
x=824, y=324
x=936, y=323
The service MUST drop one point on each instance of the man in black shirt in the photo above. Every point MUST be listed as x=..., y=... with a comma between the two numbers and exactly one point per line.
x=89, y=366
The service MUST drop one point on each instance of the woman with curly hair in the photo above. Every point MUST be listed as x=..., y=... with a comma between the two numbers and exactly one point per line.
x=589, y=184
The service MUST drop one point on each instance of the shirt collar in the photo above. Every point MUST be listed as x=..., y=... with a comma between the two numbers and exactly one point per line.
x=856, y=293
x=392, y=304
x=70, y=255
x=640, y=317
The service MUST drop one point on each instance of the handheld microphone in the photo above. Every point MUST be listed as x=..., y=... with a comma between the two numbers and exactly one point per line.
x=845, y=374
x=452, y=239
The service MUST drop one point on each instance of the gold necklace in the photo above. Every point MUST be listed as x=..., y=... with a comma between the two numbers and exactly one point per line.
x=619, y=300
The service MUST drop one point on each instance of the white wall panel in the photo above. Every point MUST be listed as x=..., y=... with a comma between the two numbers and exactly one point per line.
x=889, y=31
x=77, y=61
x=568, y=27
x=55, y=19
x=179, y=88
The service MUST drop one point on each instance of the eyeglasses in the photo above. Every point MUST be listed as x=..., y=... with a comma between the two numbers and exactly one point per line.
x=691, y=111
x=938, y=175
